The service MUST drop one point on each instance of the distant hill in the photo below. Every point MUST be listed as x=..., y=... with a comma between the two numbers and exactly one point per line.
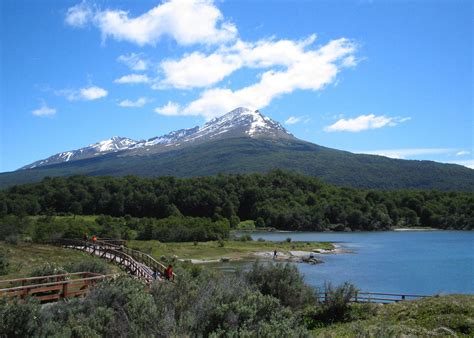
x=243, y=141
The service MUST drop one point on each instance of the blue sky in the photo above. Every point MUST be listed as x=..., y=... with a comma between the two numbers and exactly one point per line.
x=382, y=77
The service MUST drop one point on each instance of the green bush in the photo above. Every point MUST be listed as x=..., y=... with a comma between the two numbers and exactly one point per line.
x=282, y=281
x=94, y=265
x=336, y=307
x=4, y=264
x=13, y=239
x=19, y=318
x=48, y=269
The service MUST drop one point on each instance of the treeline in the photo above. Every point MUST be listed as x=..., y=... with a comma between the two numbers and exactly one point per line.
x=278, y=199
x=14, y=229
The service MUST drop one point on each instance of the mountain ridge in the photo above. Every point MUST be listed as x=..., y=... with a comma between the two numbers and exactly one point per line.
x=238, y=122
x=245, y=141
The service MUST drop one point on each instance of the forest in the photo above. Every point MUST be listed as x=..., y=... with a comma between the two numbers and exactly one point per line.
x=278, y=199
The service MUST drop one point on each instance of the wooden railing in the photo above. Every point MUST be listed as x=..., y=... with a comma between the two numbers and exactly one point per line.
x=135, y=262
x=376, y=297
x=50, y=288
x=146, y=259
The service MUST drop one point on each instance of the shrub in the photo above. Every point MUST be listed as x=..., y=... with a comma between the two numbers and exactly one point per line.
x=4, y=264
x=245, y=238
x=336, y=307
x=282, y=281
x=288, y=240
x=19, y=318
x=47, y=270
x=93, y=265
x=12, y=239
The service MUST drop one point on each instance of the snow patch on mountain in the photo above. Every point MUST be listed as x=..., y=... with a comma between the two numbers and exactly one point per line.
x=240, y=122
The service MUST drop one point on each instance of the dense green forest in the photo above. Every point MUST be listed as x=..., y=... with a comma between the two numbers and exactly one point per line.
x=278, y=199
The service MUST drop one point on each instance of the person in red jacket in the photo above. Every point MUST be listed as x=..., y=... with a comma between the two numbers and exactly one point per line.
x=169, y=272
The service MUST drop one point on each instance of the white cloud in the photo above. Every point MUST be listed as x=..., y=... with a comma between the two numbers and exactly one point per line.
x=44, y=110
x=311, y=71
x=186, y=21
x=79, y=15
x=408, y=152
x=168, y=109
x=140, y=102
x=198, y=70
x=134, y=61
x=93, y=93
x=267, y=53
x=466, y=163
x=297, y=119
x=293, y=120
x=364, y=122
x=87, y=93
x=462, y=153
x=133, y=79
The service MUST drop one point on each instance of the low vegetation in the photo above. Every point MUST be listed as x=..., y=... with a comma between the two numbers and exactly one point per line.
x=445, y=316
x=266, y=301
x=233, y=249
x=36, y=259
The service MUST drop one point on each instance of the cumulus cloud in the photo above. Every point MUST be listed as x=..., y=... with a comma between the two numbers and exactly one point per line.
x=198, y=70
x=287, y=65
x=466, y=163
x=168, y=109
x=44, y=111
x=134, y=61
x=312, y=70
x=186, y=21
x=364, y=122
x=133, y=79
x=408, y=152
x=140, y=102
x=79, y=15
x=86, y=94
x=293, y=120
x=297, y=119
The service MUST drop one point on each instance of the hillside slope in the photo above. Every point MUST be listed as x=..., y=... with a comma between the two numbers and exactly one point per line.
x=246, y=155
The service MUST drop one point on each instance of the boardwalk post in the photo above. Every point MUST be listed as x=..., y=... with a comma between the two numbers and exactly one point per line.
x=65, y=287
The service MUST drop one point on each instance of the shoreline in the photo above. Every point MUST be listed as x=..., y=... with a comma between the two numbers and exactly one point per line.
x=293, y=256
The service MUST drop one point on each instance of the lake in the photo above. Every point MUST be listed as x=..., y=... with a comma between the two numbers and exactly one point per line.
x=417, y=262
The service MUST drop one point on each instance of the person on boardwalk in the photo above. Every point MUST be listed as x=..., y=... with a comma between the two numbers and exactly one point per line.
x=169, y=272
x=275, y=253
x=85, y=238
x=94, y=238
x=155, y=274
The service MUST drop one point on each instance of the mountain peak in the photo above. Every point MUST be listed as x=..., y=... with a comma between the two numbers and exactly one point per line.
x=248, y=123
x=240, y=122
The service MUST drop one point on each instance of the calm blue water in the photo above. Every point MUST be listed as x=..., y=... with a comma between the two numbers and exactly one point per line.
x=427, y=262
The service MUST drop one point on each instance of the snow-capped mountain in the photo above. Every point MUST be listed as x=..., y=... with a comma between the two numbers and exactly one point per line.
x=240, y=122
x=112, y=144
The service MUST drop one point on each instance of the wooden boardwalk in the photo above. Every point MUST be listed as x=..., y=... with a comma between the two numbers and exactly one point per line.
x=134, y=262
x=50, y=288
x=54, y=287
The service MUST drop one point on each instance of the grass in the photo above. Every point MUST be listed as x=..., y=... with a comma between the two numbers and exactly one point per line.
x=213, y=250
x=435, y=316
x=24, y=258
